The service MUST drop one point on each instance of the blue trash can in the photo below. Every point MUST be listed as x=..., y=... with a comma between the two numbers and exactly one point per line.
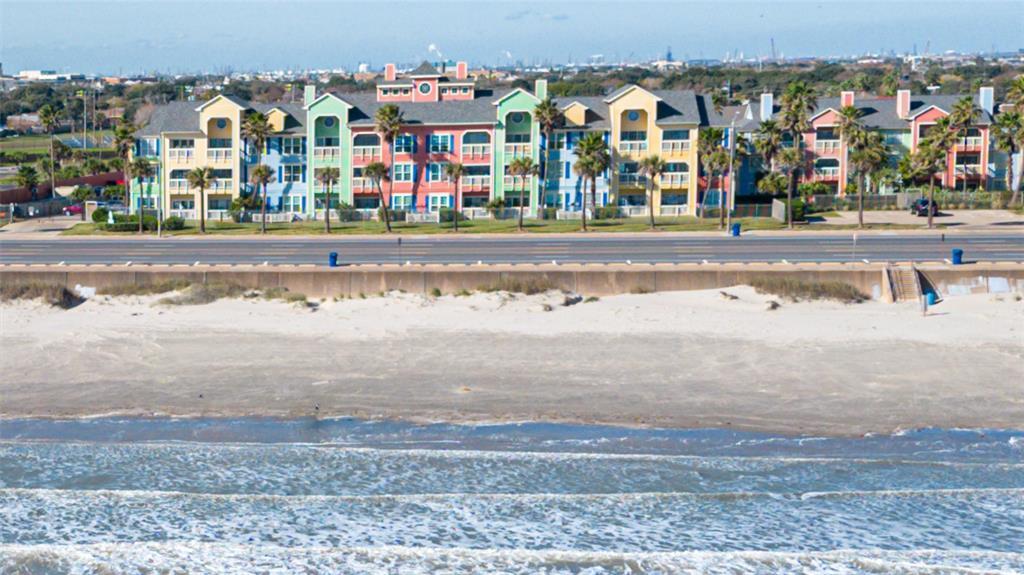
x=735, y=230
x=332, y=259
x=931, y=297
x=958, y=256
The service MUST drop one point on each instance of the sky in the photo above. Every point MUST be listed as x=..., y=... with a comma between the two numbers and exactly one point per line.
x=170, y=36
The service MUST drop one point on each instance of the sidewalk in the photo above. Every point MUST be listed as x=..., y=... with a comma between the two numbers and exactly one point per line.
x=974, y=220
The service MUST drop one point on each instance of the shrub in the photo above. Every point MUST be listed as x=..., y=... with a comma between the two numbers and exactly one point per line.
x=173, y=223
x=53, y=294
x=606, y=212
x=799, y=210
x=145, y=289
x=99, y=215
x=447, y=214
x=200, y=294
x=528, y=286
x=435, y=292
x=797, y=290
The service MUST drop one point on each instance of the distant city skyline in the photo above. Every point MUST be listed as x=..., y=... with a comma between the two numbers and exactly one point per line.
x=185, y=37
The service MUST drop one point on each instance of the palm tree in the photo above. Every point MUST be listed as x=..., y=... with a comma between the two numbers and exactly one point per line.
x=651, y=169
x=260, y=176
x=27, y=177
x=201, y=178
x=942, y=136
x=920, y=164
x=869, y=156
x=718, y=101
x=378, y=172
x=522, y=167
x=849, y=125
x=962, y=118
x=708, y=142
x=257, y=129
x=124, y=141
x=1015, y=94
x=791, y=161
x=142, y=169
x=389, y=120
x=584, y=167
x=769, y=142
x=798, y=102
x=549, y=118
x=93, y=165
x=593, y=146
x=49, y=117
x=327, y=177
x=1008, y=133
x=454, y=172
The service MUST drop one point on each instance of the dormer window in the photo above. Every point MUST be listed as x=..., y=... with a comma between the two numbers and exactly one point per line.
x=405, y=91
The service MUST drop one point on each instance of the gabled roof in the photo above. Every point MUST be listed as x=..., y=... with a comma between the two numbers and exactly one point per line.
x=242, y=104
x=425, y=69
x=326, y=95
x=924, y=109
x=625, y=90
x=509, y=94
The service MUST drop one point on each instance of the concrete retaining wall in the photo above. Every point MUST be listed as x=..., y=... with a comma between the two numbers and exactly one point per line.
x=595, y=280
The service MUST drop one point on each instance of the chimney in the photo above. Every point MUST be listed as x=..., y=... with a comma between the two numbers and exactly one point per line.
x=766, y=106
x=987, y=99
x=903, y=104
x=846, y=99
x=540, y=89
x=461, y=71
x=308, y=95
x=389, y=72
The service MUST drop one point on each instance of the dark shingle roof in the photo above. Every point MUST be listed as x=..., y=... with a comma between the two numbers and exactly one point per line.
x=880, y=112
x=597, y=110
x=479, y=110
x=678, y=107
x=425, y=69
x=183, y=117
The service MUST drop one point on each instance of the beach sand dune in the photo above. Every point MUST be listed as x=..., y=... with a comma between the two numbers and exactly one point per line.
x=681, y=359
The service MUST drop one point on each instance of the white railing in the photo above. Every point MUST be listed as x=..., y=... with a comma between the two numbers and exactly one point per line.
x=632, y=147
x=972, y=142
x=218, y=154
x=326, y=153
x=366, y=152
x=515, y=182
x=969, y=169
x=180, y=154
x=476, y=182
x=220, y=185
x=675, y=146
x=633, y=211
x=570, y=214
x=673, y=211
x=362, y=184
x=183, y=214
x=632, y=180
x=675, y=180
x=826, y=173
x=476, y=213
x=423, y=217
x=273, y=217
x=517, y=150
x=177, y=185
x=218, y=214
x=476, y=150
x=828, y=146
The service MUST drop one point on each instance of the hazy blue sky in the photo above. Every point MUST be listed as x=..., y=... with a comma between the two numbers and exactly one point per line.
x=180, y=36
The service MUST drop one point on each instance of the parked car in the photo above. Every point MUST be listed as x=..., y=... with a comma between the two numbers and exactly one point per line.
x=73, y=210
x=921, y=206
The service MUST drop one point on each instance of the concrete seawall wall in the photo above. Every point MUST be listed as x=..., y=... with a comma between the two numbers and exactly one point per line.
x=595, y=280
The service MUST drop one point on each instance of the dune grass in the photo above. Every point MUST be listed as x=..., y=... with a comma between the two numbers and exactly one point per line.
x=798, y=290
x=528, y=286
x=53, y=294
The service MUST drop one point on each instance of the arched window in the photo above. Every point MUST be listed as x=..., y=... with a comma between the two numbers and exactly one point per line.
x=476, y=138
x=826, y=163
x=366, y=140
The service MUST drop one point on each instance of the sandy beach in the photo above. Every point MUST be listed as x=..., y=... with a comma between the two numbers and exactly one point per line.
x=679, y=359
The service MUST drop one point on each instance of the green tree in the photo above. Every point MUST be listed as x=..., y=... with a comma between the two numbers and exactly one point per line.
x=201, y=178
x=124, y=142
x=454, y=172
x=585, y=168
x=868, y=156
x=962, y=119
x=327, y=177
x=49, y=117
x=93, y=165
x=256, y=129
x=651, y=169
x=1015, y=94
x=923, y=163
x=550, y=118
x=378, y=172
x=1008, y=135
x=260, y=176
x=791, y=162
x=28, y=178
x=388, y=122
x=522, y=167
x=798, y=102
x=80, y=195
x=593, y=146
x=891, y=83
x=709, y=141
x=768, y=142
x=848, y=123
x=142, y=169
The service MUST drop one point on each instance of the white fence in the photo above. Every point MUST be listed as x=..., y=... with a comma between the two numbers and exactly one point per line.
x=423, y=217
x=673, y=211
x=633, y=211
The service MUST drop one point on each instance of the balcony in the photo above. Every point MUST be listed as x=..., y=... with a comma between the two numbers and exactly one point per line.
x=180, y=186
x=826, y=146
x=672, y=211
x=183, y=214
x=360, y=185
x=821, y=174
x=476, y=150
x=971, y=170
x=476, y=182
x=632, y=181
x=180, y=155
x=632, y=147
x=218, y=154
x=517, y=183
x=972, y=143
x=220, y=185
x=366, y=153
x=517, y=150
x=675, y=180
x=675, y=147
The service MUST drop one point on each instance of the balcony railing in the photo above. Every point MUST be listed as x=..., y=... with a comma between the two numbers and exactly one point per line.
x=326, y=153
x=969, y=169
x=218, y=215
x=969, y=143
x=366, y=152
x=826, y=173
x=177, y=185
x=632, y=180
x=827, y=146
x=672, y=147
x=517, y=150
x=362, y=184
x=220, y=185
x=633, y=211
x=183, y=214
x=515, y=183
x=672, y=211
x=218, y=154
x=476, y=182
x=476, y=213
x=476, y=150
x=675, y=180
x=632, y=147
x=180, y=154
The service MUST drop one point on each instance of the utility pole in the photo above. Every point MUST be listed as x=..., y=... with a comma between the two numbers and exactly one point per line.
x=732, y=174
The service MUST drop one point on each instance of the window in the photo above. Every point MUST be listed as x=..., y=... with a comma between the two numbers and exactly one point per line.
x=634, y=136
x=465, y=90
x=477, y=170
x=183, y=204
x=403, y=172
x=405, y=91
x=441, y=143
x=292, y=173
x=222, y=123
x=357, y=172
x=435, y=172
x=405, y=144
x=558, y=141
x=293, y=203
x=329, y=121
x=424, y=88
x=517, y=117
x=220, y=204
x=364, y=203
x=676, y=168
x=627, y=168
x=518, y=138
x=401, y=201
x=633, y=115
x=676, y=135
x=476, y=138
x=220, y=143
x=826, y=134
x=178, y=144
x=291, y=146
x=328, y=142
x=179, y=174
x=444, y=90
x=438, y=201
x=222, y=174
x=826, y=163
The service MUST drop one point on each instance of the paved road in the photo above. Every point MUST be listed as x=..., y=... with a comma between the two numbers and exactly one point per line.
x=531, y=249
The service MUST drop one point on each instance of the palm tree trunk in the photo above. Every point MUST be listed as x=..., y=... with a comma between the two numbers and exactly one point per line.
x=522, y=190
x=593, y=194
x=327, y=212
x=789, y=198
x=583, y=203
x=1015, y=196
x=53, y=179
x=860, y=202
x=458, y=204
x=202, y=210
x=650, y=203
x=384, y=207
x=721, y=202
x=391, y=187
x=263, y=210
x=931, y=199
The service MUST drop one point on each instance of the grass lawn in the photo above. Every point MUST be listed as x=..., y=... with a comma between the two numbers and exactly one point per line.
x=683, y=224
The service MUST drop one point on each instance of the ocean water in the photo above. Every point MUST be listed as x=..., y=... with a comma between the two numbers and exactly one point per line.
x=348, y=496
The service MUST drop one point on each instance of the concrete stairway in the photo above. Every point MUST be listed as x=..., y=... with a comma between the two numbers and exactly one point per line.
x=906, y=285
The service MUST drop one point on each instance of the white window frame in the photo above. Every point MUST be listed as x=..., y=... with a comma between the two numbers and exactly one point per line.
x=437, y=201
x=291, y=173
x=401, y=201
x=292, y=203
x=449, y=140
x=440, y=167
x=291, y=146
x=406, y=176
x=403, y=138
